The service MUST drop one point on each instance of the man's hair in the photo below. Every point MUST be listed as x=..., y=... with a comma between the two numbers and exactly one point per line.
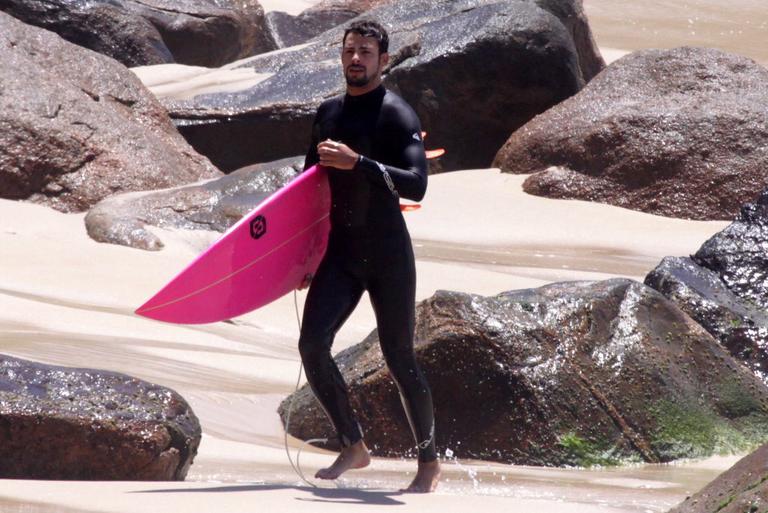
x=369, y=28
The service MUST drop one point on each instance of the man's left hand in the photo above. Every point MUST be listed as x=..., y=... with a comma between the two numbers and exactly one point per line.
x=336, y=154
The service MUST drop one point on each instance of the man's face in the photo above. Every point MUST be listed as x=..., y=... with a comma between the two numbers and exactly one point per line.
x=361, y=60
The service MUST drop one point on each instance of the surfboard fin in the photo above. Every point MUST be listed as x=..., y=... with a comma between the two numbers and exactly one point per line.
x=432, y=154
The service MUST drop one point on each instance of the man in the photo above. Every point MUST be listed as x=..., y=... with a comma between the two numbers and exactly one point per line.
x=370, y=141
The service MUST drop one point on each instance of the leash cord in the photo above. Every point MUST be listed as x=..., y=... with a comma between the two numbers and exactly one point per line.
x=297, y=467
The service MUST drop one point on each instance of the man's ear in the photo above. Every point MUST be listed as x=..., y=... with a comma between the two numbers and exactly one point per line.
x=384, y=59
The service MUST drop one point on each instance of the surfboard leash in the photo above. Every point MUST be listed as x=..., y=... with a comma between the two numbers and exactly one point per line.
x=297, y=466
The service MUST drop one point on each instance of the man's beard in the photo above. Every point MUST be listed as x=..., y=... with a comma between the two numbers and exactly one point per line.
x=361, y=81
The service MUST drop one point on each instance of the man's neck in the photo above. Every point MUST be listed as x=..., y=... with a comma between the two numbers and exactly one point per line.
x=367, y=88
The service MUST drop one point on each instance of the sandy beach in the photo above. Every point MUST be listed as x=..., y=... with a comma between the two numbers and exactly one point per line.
x=67, y=300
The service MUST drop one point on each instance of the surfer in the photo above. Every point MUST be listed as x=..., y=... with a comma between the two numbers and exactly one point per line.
x=370, y=141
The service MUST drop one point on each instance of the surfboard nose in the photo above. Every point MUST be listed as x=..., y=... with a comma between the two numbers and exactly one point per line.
x=265, y=255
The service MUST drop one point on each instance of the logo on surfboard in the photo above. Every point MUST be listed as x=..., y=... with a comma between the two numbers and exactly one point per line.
x=258, y=226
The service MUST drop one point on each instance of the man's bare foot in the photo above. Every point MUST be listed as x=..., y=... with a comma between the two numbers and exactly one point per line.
x=354, y=456
x=426, y=478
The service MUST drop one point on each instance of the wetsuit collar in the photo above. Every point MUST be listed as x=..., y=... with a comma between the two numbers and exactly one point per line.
x=370, y=96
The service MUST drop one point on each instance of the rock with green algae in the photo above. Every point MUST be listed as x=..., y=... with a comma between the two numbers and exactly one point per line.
x=85, y=424
x=570, y=374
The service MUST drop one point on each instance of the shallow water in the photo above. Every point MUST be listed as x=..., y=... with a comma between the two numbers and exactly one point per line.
x=548, y=263
x=737, y=26
x=638, y=488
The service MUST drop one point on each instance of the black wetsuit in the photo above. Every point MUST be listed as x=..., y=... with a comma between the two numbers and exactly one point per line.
x=369, y=249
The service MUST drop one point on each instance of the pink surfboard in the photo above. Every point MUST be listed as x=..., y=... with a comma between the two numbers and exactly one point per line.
x=267, y=254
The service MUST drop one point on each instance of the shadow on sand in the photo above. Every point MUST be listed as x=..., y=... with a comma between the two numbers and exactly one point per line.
x=337, y=495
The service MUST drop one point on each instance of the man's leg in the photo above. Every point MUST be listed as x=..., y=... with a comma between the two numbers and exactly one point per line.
x=393, y=294
x=332, y=296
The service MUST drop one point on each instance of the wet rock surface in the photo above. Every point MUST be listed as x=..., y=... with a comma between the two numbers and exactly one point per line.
x=214, y=205
x=288, y=30
x=458, y=63
x=741, y=489
x=85, y=424
x=291, y=30
x=739, y=254
x=724, y=286
x=577, y=373
x=678, y=132
x=136, y=33
x=78, y=126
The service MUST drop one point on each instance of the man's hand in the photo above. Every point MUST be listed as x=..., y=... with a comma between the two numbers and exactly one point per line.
x=336, y=154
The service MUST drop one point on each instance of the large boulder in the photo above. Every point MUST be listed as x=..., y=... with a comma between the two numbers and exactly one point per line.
x=66, y=423
x=679, y=132
x=214, y=205
x=724, y=286
x=741, y=489
x=289, y=30
x=136, y=33
x=577, y=373
x=474, y=71
x=76, y=127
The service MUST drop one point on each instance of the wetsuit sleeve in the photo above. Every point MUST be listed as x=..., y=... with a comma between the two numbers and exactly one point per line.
x=406, y=174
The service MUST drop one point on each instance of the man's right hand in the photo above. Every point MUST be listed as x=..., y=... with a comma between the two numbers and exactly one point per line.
x=336, y=154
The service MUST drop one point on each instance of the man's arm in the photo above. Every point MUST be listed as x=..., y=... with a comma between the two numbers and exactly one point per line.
x=407, y=175
x=409, y=182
